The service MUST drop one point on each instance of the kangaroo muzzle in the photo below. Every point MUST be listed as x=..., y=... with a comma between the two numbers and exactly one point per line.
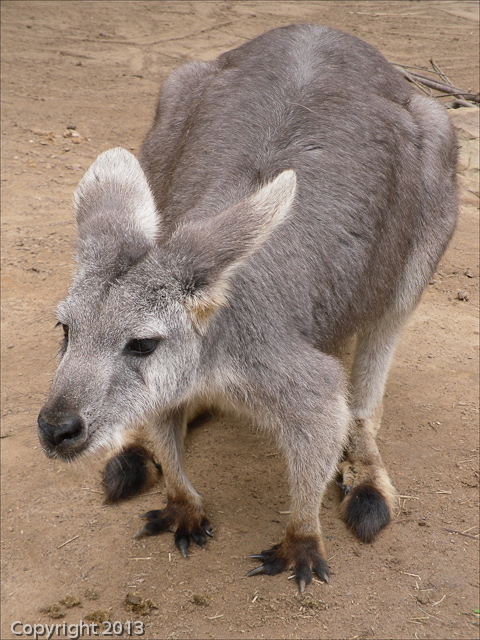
x=64, y=437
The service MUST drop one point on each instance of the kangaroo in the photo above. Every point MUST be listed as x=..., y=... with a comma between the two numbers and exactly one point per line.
x=290, y=195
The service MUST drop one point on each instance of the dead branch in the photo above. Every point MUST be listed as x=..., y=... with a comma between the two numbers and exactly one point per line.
x=409, y=76
x=437, y=70
x=462, y=103
x=445, y=87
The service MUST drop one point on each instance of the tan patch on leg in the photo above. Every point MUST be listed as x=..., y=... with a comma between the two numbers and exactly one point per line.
x=372, y=424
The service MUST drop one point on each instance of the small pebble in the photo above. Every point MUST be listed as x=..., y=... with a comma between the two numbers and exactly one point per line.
x=462, y=295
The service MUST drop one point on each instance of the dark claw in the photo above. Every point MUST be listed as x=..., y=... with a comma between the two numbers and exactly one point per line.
x=206, y=526
x=199, y=539
x=182, y=541
x=303, y=575
x=321, y=569
x=268, y=556
x=265, y=556
x=271, y=565
x=140, y=534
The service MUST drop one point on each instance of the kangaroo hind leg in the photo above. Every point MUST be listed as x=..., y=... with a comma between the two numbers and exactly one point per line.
x=369, y=497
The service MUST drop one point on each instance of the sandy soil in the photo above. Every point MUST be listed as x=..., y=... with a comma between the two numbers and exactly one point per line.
x=97, y=66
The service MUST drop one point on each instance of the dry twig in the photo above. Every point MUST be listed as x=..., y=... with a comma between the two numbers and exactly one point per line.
x=461, y=533
x=444, y=85
x=67, y=541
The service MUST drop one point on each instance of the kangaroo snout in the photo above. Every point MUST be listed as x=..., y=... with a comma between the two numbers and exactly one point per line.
x=65, y=437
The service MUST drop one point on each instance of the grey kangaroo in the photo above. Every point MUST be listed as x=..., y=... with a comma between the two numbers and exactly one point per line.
x=290, y=195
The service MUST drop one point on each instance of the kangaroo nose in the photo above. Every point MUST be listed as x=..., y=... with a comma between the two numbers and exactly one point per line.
x=67, y=435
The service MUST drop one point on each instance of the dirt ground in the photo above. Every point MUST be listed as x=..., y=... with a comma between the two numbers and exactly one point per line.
x=97, y=66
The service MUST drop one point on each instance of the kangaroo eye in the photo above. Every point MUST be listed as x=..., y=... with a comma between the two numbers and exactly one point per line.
x=142, y=347
x=63, y=346
x=65, y=329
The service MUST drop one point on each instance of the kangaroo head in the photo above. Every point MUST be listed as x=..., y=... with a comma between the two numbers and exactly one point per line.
x=141, y=303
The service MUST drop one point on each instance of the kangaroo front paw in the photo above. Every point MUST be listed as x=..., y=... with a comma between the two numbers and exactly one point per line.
x=185, y=521
x=368, y=501
x=128, y=473
x=303, y=554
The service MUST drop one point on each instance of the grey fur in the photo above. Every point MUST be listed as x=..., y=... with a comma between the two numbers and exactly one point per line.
x=304, y=194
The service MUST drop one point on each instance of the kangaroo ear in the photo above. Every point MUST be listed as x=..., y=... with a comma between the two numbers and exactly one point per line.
x=213, y=249
x=114, y=206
